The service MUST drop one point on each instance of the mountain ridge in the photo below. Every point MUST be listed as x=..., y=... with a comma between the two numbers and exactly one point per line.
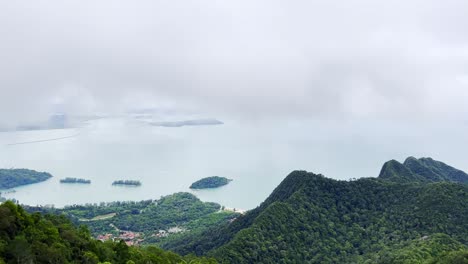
x=309, y=218
x=421, y=170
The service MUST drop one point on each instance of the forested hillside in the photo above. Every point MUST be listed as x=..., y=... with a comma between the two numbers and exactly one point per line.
x=421, y=170
x=148, y=222
x=312, y=219
x=415, y=212
x=37, y=238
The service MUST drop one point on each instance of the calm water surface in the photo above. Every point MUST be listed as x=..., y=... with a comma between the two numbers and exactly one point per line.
x=168, y=160
x=165, y=160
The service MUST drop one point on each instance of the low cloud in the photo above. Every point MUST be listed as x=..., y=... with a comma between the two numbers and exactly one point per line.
x=254, y=59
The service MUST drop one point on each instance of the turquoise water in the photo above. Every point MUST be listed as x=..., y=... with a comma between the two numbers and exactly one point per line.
x=167, y=160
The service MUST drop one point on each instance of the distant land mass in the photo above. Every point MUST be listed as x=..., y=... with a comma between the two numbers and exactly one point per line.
x=56, y=121
x=127, y=182
x=75, y=180
x=10, y=178
x=210, y=182
x=194, y=122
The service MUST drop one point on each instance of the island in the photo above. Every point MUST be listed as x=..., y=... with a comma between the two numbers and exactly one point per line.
x=10, y=178
x=127, y=182
x=75, y=180
x=194, y=122
x=210, y=182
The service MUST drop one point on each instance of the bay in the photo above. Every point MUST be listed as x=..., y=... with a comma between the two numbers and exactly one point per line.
x=256, y=155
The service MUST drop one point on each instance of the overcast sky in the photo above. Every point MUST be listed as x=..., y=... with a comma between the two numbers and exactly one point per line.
x=344, y=60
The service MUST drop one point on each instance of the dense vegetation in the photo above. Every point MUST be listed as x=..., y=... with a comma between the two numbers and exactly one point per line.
x=37, y=238
x=311, y=219
x=127, y=182
x=182, y=211
x=210, y=182
x=437, y=248
x=415, y=212
x=75, y=180
x=10, y=178
x=421, y=170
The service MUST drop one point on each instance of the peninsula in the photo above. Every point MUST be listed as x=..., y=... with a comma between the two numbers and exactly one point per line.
x=10, y=178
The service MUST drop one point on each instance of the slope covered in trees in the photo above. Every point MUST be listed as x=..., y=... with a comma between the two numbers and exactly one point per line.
x=183, y=213
x=10, y=178
x=312, y=219
x=37, y=238
x=415, y=212
x=437, y=248
x=421, y=170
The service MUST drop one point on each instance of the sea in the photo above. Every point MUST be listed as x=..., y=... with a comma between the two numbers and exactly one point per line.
x=256, y=155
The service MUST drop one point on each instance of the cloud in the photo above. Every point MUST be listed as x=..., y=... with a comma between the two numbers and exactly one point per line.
x=255, y=59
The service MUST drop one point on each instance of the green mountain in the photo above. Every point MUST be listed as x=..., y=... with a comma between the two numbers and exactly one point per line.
x=312, y=219
x=414, y=212
x=395, y=171
x=421, y=170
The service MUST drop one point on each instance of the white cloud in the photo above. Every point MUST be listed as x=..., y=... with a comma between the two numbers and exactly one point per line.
x=341, y=59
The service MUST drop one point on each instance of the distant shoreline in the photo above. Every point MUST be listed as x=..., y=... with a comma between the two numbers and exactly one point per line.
x=194, y=122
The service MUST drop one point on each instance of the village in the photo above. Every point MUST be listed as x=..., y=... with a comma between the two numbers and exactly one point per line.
x=136, y=238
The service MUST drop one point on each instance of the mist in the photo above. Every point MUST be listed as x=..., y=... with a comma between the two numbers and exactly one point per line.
x=354, y=67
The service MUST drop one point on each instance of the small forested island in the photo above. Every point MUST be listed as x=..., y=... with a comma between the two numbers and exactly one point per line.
x=10, y=178
x=75, y=180
x=127, y=182
x=210, y=182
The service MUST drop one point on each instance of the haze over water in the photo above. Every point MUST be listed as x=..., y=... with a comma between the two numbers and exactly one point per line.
x=167, y=160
